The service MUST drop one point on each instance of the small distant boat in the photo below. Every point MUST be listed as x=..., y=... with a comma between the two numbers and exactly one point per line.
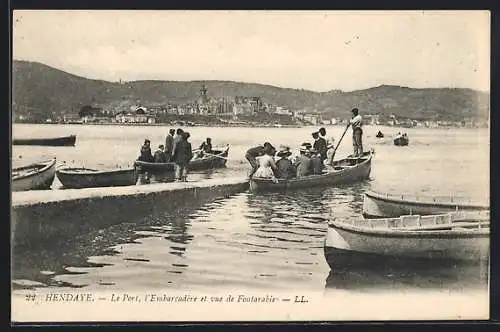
x=350, y=169
x=57, y=141
x=379, y=134
x=460, y=236
x=378, y=205
x=401, y=140
x=81, y=177
x=37, y=176
x=217, y=159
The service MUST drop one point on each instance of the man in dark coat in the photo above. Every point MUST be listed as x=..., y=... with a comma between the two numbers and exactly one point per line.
x=320, y=145
x=182, y=154
x=177, y=138
x=254, y=152
x=146, y=152
x=169, y=142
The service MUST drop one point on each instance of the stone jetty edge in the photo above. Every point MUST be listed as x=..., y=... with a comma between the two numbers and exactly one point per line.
x=39, y=216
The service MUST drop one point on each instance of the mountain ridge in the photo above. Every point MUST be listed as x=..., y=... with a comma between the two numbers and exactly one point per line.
x=47, y=90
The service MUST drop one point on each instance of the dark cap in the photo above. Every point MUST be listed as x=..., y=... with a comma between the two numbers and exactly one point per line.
x=355, y=110
x=147, y=141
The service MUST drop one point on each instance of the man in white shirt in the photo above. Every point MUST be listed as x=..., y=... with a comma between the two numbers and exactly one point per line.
x=357, y=132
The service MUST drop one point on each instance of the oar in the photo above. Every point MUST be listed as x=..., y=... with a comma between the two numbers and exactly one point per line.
x=214, y=155
x=340, y=140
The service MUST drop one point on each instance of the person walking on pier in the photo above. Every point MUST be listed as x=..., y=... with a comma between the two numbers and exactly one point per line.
x=169, y=143
x=177, y=138
x=357, y=132
x=182, y=155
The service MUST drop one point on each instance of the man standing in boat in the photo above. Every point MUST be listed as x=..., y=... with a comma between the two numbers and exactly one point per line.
x=357, y=132
x=169, y=143
x=320, y=145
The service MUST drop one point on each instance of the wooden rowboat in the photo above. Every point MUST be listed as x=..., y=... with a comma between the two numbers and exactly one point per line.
x=348, y=170
x=37, y=176
x=56, y=141
x=462, y=236
x=216, y=159
x=378, y=205
x=81, y=177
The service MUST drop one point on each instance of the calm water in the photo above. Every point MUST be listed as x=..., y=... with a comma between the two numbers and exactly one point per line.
x=265, y=241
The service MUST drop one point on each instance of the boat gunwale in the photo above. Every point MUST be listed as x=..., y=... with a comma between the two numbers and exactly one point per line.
x=401, y=233
x=48, y=164
x=414, y=200
x=154, y=165
x=67, y=171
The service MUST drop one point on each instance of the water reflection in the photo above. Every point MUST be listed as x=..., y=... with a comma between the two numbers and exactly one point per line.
x=410, y=275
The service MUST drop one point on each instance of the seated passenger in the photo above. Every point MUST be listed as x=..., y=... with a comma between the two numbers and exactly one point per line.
x=316, y=162
x=160, y=156
x=146, y=152
x=303, y=163
x=284, y=166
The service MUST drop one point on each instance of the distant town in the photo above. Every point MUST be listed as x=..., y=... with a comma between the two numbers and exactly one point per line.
x=226, y=111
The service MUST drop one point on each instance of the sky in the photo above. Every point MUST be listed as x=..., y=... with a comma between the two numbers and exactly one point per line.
x=312, y=50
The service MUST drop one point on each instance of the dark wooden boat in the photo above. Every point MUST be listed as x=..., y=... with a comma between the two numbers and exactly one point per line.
x=350, y=169
x=401, y=141
x=37, y=176
x=57, y=141
x=462, y=236
x=378, y=205
x=216, y=159
x=379, y=134
x=81, y=177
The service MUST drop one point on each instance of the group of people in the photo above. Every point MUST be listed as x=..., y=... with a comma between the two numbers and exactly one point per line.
x=177, y=149
x=312, y=158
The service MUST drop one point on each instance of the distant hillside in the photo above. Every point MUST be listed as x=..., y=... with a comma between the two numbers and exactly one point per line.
x=41, y=90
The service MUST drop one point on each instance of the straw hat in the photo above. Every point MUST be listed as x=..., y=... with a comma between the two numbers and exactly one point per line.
x=284, y=152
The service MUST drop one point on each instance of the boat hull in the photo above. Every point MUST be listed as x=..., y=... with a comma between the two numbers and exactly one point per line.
x=39, y=180
x=351, y=174
x=378, y=205
x=346, y=247
x=210, y=162
x=58, y=141
x=201, y=164
x=401, y=141
x=80, y=178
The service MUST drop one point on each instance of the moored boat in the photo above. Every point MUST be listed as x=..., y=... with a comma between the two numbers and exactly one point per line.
x=216, y=159
x=379, y=205
x=347, y=170
x=401, y=141
x=379, y=134
x=462, y=236
x=37, y=176
x=55, y=141
x=81, y=177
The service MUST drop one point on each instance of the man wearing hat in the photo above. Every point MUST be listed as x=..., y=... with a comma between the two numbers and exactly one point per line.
x=160, y=156
x=284, y=166
x=320, y=145
x=357, y=132
x=303, y=163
